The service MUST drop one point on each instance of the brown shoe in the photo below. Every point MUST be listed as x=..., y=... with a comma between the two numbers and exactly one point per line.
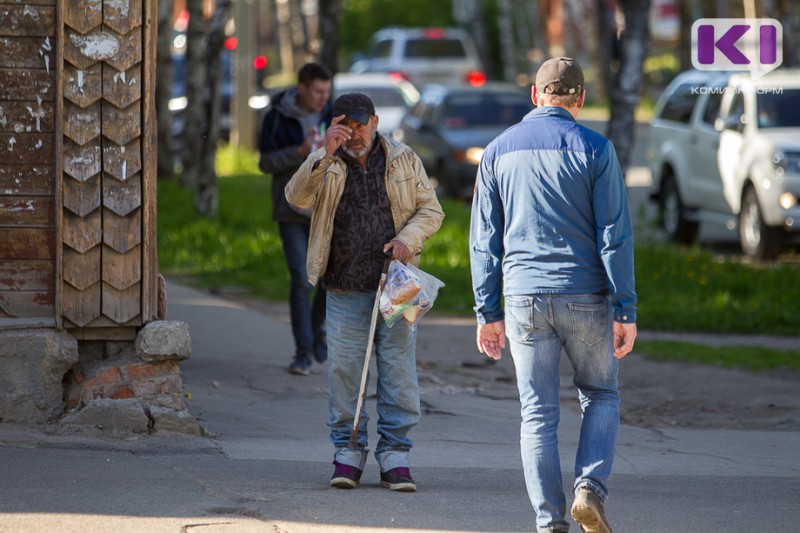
x=588, y=511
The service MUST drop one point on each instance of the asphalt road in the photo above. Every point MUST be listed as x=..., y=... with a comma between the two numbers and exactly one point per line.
x=265, y=464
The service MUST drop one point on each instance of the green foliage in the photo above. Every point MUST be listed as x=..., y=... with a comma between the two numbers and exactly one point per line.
x=742, y=357
x=679, y=289
x=232, y=160
x=240, y=248
x=691, y=290
x=446, y=256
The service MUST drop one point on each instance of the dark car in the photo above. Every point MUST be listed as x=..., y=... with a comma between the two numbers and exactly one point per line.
x=451, y=125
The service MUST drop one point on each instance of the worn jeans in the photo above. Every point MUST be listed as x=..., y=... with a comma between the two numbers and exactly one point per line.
x=349, y=315
x=538, y=327
x=308, y=320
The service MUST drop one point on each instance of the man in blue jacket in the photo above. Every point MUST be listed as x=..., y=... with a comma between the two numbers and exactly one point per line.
x=551, y=233
x=293, y=127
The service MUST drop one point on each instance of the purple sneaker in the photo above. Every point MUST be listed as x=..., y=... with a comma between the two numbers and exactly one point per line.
x=398, y=479
x=345, y=476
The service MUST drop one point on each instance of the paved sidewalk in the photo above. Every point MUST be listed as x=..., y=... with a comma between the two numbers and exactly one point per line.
x=267, y=461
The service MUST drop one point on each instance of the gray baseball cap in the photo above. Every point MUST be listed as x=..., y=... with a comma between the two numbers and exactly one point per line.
x=560, y=69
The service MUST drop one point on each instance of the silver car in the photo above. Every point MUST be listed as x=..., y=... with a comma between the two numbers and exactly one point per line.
x=726, y=148
x=424, y=55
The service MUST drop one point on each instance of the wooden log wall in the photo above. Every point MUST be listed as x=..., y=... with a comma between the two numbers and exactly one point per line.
x=77, y=165
x=28, y=190
x=108, y=215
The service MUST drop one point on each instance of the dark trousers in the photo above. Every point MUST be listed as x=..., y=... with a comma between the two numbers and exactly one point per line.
x=308, y=320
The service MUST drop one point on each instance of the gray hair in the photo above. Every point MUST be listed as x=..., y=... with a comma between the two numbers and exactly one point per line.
x=566, y=100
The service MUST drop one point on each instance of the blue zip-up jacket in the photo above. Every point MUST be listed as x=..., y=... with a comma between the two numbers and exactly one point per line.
x=550, y=216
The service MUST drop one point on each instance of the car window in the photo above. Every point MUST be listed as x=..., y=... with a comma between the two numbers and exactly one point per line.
x=423, y=111
x=434, y=48
x=713, y=104
x=463, y=111
x=381, y=49
x=737, y=106
x=779, y=110
x=680, y=103
x=382, y=96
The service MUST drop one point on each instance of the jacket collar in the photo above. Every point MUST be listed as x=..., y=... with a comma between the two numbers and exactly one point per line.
x=550, y=111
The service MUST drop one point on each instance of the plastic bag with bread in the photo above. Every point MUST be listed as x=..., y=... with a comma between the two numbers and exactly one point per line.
x=408, y=292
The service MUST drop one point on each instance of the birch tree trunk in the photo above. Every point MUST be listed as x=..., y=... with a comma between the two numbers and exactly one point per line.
x=207, y=196
x=196, y=124
x=165, y=168
x=478, y=24
x=329, y=16
x=599, y=53
x=285, y=48
x=627, y=85
x=507, y=51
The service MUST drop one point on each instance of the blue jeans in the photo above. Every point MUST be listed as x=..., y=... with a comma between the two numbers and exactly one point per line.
x=538, y=327
x=349, y=315
x=308, y=320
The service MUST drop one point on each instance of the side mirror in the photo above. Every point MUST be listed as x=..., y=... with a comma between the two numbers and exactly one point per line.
x=731, y=122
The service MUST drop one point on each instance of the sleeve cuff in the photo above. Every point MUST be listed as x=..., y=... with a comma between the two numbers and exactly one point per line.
x=625, y=317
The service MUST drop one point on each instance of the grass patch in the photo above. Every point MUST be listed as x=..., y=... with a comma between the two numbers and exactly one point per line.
x=679, y=289
x=741, y=357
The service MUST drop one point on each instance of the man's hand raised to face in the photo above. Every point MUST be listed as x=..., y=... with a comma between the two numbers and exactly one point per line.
x=336, y=135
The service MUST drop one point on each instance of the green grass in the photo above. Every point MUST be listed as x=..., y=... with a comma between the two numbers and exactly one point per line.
x=679, y=289
x=741, y=357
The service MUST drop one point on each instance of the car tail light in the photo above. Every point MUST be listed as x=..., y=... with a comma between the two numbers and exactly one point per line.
x=231, y=43
x=434, y=33
x=476, y=78
x=399, y=76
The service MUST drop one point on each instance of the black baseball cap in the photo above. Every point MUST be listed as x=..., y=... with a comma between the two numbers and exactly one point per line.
x=564, y=70
x=355, y=106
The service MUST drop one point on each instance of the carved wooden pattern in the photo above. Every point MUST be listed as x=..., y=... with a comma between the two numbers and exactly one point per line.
x=77, y=164
x=82, y=270
x=28, y=209
x=108, y=182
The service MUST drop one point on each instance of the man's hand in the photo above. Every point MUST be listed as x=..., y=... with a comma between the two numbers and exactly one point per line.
x=304, y=149
x=624, y=335
x=491, y=339
x=336, y=135
x=399, y=250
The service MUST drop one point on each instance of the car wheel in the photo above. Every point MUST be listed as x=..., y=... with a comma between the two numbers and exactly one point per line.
x=673, y=214
x=757, y=240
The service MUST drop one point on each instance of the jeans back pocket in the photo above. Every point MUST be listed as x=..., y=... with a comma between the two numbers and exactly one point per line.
x=590, y=321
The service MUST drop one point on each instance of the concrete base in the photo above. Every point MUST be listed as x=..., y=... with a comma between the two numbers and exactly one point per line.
x=32, y=366
x=124, y=386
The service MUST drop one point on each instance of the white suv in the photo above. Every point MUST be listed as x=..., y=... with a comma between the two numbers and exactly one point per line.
x=726, y=148
x=424, y=55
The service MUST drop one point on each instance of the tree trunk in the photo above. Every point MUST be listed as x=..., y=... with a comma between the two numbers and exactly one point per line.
x=285, y=48
x=165, y=168
x=329, y=16
x=602, y=36
x=690, y=11
x=196, y=77
x=207, y=195
x=507, y=51
x=629, y=78
x=478, y=24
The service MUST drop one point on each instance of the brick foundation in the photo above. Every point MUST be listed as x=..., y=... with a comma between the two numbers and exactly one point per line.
x=153, y=384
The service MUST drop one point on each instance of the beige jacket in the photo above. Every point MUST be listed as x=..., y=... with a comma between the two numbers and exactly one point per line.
x=415, y=210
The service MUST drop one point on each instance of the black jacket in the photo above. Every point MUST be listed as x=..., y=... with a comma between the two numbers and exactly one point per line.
x=281, y=134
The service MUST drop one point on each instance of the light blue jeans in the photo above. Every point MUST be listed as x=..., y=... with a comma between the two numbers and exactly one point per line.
x=348, y=318
x=538, y=327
